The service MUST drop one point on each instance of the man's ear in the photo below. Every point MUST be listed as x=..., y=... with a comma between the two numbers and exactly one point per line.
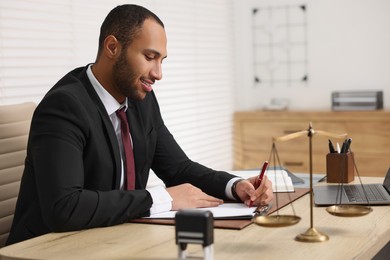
x=112, y=47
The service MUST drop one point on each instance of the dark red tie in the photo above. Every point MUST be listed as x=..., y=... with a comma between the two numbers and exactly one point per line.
x=129, y=155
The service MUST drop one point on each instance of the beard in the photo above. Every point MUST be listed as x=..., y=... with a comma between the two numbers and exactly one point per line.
x=124, y=78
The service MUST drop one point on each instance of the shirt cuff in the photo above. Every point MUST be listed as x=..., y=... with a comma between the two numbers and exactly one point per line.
x=162, y=201
x=228, y=189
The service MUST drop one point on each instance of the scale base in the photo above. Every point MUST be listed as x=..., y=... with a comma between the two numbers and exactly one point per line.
x=312, y=235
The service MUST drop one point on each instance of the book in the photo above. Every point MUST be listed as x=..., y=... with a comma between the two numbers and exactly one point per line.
x=281, y=181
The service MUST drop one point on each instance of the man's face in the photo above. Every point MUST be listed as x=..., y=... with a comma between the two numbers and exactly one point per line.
x=139, y=66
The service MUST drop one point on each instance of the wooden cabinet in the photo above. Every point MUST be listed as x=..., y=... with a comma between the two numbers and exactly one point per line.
x=369, y=130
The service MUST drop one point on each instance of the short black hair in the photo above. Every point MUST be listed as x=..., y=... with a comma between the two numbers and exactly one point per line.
x=124, y=22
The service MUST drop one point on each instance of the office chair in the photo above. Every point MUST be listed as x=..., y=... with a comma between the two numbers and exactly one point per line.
x=14, y=128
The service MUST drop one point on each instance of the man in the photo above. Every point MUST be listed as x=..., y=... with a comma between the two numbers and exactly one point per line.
x=77, y=163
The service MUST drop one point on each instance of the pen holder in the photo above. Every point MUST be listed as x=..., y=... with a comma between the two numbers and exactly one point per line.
x=340, y=167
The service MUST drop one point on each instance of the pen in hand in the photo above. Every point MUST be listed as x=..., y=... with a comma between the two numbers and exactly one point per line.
x=259, y=179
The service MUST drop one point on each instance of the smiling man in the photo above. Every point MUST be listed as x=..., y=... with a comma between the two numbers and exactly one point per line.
x=97, y=133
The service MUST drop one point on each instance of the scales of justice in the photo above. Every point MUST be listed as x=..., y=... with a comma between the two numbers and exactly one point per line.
x=311, y=234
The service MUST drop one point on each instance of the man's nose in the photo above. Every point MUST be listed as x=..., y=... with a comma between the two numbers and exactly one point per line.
x=157, y=71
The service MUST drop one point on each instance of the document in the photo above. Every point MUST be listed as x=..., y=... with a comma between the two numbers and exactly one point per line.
x=281, y=182
x=223, y=211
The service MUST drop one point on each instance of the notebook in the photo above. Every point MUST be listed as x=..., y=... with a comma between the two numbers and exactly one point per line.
x=363, y=194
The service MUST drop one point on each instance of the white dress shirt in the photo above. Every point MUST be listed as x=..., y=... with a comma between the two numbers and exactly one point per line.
x=162, y=201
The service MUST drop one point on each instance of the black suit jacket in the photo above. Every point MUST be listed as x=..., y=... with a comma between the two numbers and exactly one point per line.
x=72, y=169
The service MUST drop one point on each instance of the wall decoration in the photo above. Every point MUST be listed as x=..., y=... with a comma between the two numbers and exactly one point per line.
x=280, y=46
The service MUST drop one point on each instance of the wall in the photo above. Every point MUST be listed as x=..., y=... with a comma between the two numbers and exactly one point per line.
x=41, y=40
x=348, y=49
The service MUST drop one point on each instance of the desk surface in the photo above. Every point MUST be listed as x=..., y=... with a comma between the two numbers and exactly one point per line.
x=350, y=238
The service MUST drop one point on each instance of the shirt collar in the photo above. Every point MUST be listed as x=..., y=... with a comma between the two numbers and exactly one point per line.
x=109, y=102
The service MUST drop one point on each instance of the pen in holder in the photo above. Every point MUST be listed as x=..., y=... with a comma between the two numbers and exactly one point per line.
x=340, y=167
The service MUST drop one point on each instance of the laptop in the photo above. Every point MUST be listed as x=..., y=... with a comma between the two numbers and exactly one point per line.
x=362, y=194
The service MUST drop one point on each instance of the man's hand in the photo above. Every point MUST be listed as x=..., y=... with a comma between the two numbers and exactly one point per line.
x=189, y=196
x=246, y=191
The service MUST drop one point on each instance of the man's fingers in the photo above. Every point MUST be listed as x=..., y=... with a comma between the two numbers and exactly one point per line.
x=208, y=204
x=262, y=195
x=189, y=196
x=206, y=201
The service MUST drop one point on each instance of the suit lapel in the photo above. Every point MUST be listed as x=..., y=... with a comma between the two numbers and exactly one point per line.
x=109, y=129
x=110, y=133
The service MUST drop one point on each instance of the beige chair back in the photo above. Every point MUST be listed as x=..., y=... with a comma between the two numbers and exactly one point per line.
x=14, y=128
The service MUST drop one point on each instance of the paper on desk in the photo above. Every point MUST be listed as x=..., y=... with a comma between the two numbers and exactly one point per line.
x=223, y=211
x=281, y=182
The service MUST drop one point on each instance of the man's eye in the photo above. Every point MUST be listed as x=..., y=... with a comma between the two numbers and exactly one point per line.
x=148, y=57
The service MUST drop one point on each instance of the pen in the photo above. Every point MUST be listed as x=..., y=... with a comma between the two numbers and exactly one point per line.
x=331, y=148
x=347, y=145
x=343, y=146
x=259, y=179
x=338, y=148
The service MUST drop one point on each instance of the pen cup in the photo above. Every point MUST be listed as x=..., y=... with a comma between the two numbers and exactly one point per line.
x=340, y=167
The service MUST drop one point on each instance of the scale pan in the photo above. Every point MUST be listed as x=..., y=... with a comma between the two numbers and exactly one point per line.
x=348, y=210
x=276, y=221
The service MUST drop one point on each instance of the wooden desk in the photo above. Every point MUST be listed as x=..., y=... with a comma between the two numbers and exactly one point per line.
x=350, y=238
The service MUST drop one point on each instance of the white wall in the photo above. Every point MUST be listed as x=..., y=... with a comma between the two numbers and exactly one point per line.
x=41, y=40
x=348, y=49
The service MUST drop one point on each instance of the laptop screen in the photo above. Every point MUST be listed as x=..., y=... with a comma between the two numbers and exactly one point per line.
x=386, y=182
